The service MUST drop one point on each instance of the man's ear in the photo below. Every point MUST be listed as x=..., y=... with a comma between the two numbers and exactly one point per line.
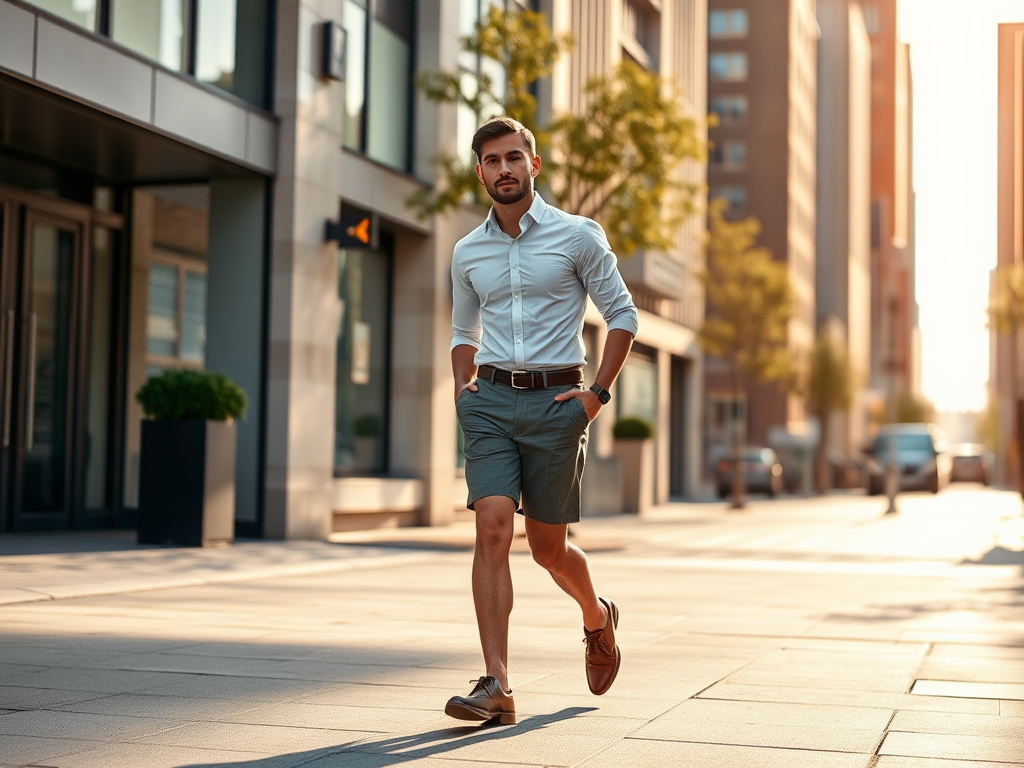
x=534, y=165
x=479, y=173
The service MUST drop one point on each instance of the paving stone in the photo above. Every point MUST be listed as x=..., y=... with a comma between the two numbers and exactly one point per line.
x=398, y=718
x=638, y=753
x=178, y=708
x=827, y=738
x=351, y=759
x=78, y=725
x=256, y=738
x=239, y=689
x=797, y=679
x=949, y=723
x=954, y=747
x=969, y=690
x=973, y=669
x=891, y=761
x=847, y=697
x=1011, y=708
x=18, y=697
x=21, y=750
x=161, y=756
x=96, y=680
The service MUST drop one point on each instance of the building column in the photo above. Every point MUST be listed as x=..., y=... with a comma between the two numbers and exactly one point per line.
x=304, y=307
x=234, y=318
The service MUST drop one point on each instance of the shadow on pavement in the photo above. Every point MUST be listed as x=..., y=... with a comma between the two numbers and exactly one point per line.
x=998, y=556
x=404, y=749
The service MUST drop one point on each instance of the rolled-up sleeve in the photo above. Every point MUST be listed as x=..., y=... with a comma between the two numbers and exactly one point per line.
x=466, y=326
x=598, y=269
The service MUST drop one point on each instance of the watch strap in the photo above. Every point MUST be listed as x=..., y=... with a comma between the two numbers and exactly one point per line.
x=602, y=394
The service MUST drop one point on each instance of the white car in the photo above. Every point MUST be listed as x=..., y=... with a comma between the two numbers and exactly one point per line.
x=921, y=454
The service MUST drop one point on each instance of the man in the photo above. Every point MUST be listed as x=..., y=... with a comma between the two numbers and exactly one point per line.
x=521, y=281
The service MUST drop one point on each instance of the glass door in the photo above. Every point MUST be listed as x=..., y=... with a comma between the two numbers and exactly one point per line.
x=39, y=376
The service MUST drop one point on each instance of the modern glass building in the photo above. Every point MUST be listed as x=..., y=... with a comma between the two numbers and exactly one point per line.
x=167, y=169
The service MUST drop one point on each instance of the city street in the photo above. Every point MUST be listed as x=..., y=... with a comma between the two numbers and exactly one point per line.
x=805, y=633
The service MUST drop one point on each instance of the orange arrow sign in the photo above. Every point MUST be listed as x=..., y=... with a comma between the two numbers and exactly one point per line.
x=360, y=231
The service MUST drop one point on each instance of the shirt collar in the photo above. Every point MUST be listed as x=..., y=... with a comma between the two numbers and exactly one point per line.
x=532, y=216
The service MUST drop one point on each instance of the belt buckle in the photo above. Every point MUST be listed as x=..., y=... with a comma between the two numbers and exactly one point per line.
x=521, y=373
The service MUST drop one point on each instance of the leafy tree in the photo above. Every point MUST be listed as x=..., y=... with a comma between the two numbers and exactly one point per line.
x=749, y=305
x=1006, y=316
x=827, y=389
x=618, y=161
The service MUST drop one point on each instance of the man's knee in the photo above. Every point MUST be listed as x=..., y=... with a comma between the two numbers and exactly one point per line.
x=494, y=523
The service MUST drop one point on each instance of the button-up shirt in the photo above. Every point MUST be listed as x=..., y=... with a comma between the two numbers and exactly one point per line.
x=520, y=301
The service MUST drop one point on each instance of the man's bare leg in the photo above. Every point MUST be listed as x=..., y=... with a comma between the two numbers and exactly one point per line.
x=492, y=581
x=569, y=567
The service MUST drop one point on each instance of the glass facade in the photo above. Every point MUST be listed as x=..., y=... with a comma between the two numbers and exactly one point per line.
x=154, y=28
x=727, y=67
x=728, y=23
x=361, y=400
x=80, y=12
x=378, y=84
x=101, y=327
x=223, y=43
x=731, y=110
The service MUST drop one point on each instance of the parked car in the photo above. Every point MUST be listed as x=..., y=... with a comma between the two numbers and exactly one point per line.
x=922, y=458
x=762, y=472
x=971, y=463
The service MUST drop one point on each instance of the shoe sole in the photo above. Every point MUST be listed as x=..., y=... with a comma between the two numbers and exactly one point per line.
x=466, y=712
x=618, y=651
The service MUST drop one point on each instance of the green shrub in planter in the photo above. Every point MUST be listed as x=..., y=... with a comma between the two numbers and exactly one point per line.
x=188, y=395
x=632, y=428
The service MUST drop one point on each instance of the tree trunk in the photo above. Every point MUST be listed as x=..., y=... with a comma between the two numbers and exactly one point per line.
x=739, y=497
x=821, y=483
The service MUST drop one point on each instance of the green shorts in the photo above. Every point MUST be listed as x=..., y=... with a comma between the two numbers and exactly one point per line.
x=524, y=444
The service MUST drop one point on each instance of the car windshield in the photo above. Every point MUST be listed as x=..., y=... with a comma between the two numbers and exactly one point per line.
x=904, y=444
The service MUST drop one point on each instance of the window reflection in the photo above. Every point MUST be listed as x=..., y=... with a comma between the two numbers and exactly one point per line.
x=215, y=43
x=80, y=12
x=354, y=21
x=361, y=415
x=154, y=28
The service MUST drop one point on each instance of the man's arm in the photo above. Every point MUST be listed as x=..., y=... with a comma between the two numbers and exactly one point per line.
x=616, y=347
x=464, y=369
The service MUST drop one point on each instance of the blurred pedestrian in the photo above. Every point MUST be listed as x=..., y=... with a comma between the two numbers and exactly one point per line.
x=521, y=281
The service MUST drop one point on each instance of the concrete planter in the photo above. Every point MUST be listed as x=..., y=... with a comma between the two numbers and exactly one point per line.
x=187, y=483
x=636, y=456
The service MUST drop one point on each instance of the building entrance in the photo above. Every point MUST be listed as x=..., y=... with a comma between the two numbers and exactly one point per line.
x=44, y=364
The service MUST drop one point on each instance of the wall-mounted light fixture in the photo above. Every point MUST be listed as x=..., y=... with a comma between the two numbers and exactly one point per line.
x=332, y=44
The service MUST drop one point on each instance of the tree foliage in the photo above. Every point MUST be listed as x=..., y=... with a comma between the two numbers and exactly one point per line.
x=749, y=301
x=749, y=305
x=1006, y=303
x=617, y=161
x=828, y=388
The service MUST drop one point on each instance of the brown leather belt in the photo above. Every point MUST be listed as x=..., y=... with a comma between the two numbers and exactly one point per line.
x=530, y=379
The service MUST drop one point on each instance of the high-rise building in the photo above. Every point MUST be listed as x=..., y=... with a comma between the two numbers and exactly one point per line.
x=895, y=361
x=1006, y=385
x=167, y=174
x=843, y=238
x=762, y=83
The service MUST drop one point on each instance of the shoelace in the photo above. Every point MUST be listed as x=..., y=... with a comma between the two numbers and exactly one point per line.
x=597, y=639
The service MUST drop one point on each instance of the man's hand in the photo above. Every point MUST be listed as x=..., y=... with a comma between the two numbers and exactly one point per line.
x=471, y=386
x=591, y=403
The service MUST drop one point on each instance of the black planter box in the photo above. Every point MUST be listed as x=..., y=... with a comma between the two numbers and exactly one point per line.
x=187, y=483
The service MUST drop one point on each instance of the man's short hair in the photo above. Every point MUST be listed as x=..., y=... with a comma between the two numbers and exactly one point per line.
x=502, y=126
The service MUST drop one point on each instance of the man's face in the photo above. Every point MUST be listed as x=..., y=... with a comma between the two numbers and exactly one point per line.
x=507, y=168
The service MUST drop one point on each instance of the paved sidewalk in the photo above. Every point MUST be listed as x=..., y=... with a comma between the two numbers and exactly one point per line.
x=800, y=634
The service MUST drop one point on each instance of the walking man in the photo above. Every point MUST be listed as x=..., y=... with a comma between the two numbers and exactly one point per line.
x=521, y=281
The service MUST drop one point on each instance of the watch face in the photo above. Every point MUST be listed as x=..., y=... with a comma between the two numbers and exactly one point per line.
x=602, y=394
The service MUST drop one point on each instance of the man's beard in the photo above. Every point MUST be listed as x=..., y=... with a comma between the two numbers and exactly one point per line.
x=508, y=196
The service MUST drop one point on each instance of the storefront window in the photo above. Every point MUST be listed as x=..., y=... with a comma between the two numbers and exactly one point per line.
x=215, y=43
x=80, y=12
x=101, y=301
x=154, y=28
x=361, y=404
x=354, y=21
x=378, y=90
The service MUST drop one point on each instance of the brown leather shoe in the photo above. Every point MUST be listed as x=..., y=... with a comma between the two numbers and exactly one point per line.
x=487, y=701
x=603, y=655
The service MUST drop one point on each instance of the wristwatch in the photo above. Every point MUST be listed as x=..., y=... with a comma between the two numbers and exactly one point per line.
x=602, y=394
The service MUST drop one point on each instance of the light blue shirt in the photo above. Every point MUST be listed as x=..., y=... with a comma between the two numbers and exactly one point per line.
x=521, y=301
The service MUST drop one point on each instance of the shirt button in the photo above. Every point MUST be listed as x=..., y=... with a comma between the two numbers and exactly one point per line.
x=519, y=341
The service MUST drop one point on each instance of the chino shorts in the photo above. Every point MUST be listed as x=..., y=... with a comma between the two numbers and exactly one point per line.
x=524, y=444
